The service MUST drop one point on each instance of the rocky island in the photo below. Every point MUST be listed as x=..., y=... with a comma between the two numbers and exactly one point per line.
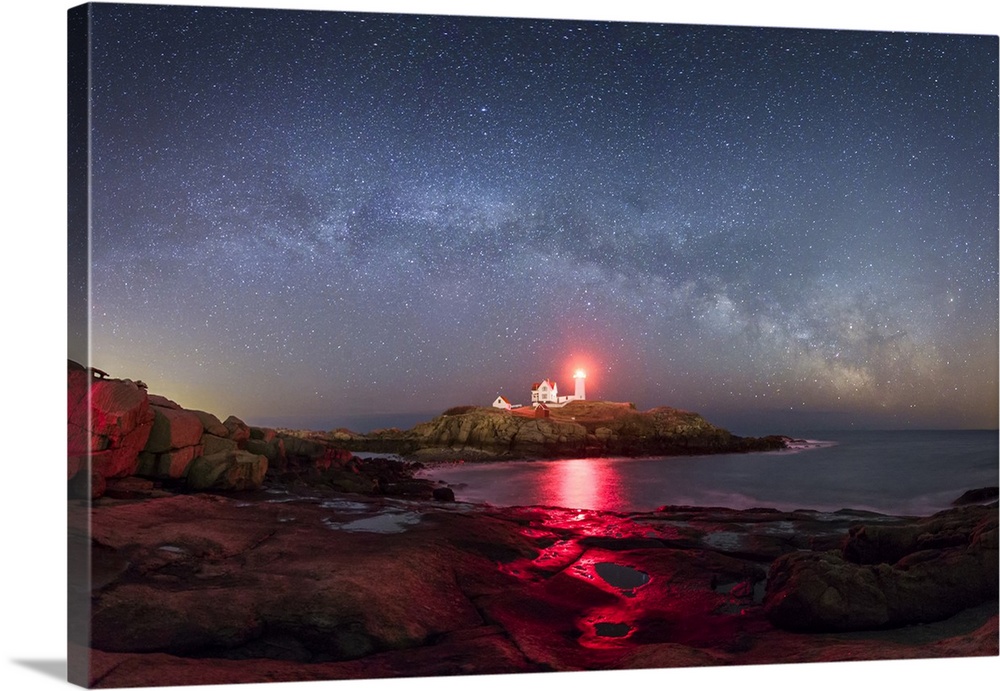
x=579, y=429
x=210, y=551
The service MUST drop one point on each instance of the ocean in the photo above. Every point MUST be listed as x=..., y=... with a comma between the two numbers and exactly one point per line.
x=912, y=473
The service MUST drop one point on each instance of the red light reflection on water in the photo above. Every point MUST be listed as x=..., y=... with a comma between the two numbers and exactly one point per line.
x=582, y=483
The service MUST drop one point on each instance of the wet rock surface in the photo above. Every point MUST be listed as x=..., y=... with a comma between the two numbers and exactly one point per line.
x=296, y=582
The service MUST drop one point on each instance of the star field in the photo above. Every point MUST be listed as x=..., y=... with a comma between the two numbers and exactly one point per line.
x=319, y=219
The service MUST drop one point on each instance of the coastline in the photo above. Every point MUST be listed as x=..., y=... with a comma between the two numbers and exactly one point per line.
x=235, y=553
x=435, y=457
x=410, y=587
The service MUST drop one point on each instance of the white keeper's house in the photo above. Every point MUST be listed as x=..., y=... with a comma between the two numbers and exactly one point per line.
x=545, y=391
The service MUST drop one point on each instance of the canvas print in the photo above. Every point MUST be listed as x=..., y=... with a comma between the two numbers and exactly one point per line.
x=407, y=345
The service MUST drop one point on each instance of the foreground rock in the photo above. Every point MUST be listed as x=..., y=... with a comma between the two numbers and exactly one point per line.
x=277, y=584
x=108, y=419
x=116, y=429
x=889, y=576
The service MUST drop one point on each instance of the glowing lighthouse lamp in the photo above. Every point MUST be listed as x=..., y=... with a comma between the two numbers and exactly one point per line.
x=579, y=377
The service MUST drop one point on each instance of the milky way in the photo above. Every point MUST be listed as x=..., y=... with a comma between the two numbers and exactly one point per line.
x=320, y=219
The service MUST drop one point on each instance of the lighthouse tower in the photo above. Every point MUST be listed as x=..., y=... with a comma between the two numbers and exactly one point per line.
x=580, y=377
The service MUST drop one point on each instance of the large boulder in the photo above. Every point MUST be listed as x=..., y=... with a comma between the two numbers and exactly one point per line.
x=211, y=424
x=212, y=444
x=237, y=430
x=163, y=402
x=809, y=591
x=117, y=407
x=108, y=419
x=168, y=465
x=175, y=440
x=273, y=449
x=227, y=470
x=173, y=428
x=889, y=576
x=880, y=544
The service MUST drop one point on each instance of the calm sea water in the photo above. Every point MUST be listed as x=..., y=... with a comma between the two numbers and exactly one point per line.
x=903, y=473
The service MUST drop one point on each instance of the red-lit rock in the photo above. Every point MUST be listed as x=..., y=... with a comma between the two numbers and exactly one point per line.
x=109, y=416
x=300, y=589
x=238, y=430
x=80, y=441
x=117, y=409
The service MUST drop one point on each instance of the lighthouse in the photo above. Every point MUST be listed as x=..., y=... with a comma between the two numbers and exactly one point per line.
x=579, y=377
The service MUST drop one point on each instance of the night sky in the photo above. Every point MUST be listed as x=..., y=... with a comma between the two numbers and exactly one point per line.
x=317, y=219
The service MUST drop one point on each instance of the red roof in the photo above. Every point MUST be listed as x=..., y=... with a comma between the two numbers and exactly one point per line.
x=551, y=384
